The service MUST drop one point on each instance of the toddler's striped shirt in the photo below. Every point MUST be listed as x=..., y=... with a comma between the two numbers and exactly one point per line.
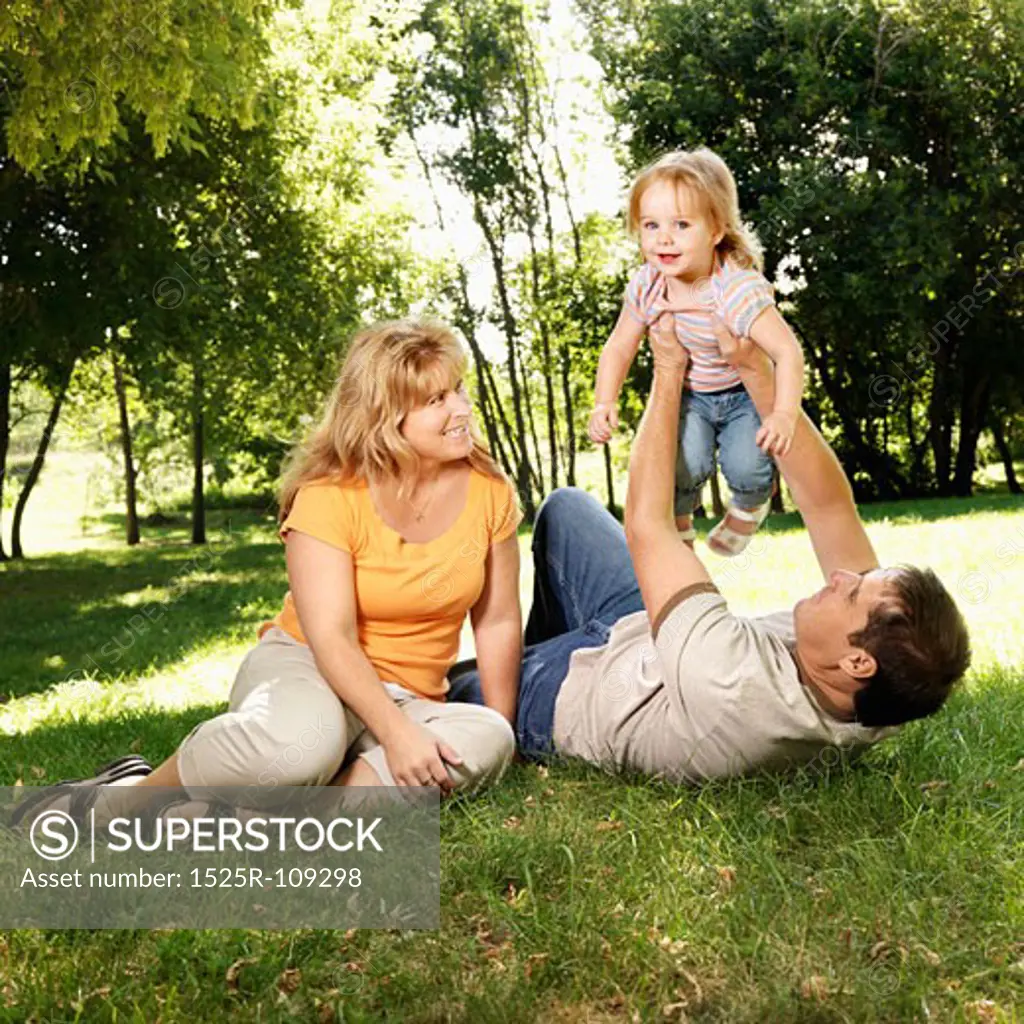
x=739, y=296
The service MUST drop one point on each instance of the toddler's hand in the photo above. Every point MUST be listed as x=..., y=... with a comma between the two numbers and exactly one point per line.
x=776, y=434
x=604, y=421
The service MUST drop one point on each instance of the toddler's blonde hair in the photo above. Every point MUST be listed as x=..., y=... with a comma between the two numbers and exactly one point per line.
x=705, y=173
x=389, y=368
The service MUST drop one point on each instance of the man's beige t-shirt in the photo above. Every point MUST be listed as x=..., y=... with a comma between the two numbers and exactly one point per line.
x=705, y=694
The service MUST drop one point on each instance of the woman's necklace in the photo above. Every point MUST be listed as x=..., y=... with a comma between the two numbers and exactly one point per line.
x=419, y=513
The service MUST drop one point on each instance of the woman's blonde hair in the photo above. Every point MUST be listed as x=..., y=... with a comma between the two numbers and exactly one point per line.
x=389, y=368
x=707, y=176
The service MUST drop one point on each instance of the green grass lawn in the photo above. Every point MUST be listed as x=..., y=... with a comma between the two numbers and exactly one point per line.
x=891, y=890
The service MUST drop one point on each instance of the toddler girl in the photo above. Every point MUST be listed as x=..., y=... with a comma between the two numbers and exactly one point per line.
x=701, y=260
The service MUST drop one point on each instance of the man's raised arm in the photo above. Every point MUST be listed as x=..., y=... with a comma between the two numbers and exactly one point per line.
x=820, y=488
x=666, y=567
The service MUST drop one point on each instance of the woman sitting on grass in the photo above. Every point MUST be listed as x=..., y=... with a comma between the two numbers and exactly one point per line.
x=396, y=523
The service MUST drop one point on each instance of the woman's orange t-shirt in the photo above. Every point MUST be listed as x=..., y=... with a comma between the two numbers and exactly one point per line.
x=411, y=599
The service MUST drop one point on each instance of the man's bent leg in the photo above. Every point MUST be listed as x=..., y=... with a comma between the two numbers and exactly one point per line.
x=582, y=567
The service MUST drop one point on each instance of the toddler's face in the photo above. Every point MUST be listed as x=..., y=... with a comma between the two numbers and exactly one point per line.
x=676, y=236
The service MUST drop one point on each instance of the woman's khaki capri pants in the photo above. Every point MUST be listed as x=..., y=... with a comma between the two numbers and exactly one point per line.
x=285, y=726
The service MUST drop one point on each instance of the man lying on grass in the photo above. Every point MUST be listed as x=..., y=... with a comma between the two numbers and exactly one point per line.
x=669, y=682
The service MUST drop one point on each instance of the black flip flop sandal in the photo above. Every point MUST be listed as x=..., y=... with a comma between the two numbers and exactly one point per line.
x=121, y=768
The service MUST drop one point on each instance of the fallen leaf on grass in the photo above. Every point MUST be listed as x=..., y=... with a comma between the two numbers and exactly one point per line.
x=984, y=1010
x=136, y=745
x=726, y=878
x=232, y=973
x=673, y=946
x=883, y=951
x=608, y=826
x=1019, y=766
x=325, y=1014
x=512, y=822
x=815, y=987
x=928, y=787
x=289, y=981
x=39, y=773
x=532, y=961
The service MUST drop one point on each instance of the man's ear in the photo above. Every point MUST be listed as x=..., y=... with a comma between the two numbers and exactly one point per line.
x=859, y=664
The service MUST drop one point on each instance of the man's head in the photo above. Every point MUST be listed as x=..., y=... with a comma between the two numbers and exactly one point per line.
x=885, y=646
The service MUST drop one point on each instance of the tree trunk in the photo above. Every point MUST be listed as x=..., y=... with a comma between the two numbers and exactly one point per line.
x=609, y=480
x=467, y=319
x=130, y=502
x=570, y=426
x=778, y=505
x=198, y=504
x=940, y=422
x=532, y=426
x=881, y=469
x=545, y=344
x=996, y=426
x=974, y=398
x=509, y=323
x=717, y=506
x=37, y=463
x=5, y=439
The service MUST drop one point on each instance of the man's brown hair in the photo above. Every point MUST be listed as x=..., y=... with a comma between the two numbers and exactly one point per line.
x=919, y=640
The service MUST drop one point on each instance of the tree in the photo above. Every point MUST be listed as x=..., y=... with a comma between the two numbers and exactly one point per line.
x=473, y=68
x=876, y=149
x=75, y=75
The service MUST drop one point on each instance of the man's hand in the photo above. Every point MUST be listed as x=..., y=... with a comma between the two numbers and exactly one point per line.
x=775, y=436
x=817, y=483
x=736, y=351
x=668, y=353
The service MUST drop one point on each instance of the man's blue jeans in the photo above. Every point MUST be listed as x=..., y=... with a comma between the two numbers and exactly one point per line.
x=583, y=583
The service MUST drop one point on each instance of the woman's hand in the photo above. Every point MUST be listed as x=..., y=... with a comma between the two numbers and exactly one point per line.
x=417, y=757
x=668, y=353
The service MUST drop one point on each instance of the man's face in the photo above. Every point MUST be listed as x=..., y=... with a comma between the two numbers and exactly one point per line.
x=824, y=622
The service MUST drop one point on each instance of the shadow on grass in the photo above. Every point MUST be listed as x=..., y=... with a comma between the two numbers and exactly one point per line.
x=975, y=737
x=901, y=513
x=108, y=614
x=77, y=749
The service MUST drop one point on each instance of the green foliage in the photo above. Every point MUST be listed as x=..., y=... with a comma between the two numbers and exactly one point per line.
x=228, y=272
x=76, y=74
x=876, y=153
